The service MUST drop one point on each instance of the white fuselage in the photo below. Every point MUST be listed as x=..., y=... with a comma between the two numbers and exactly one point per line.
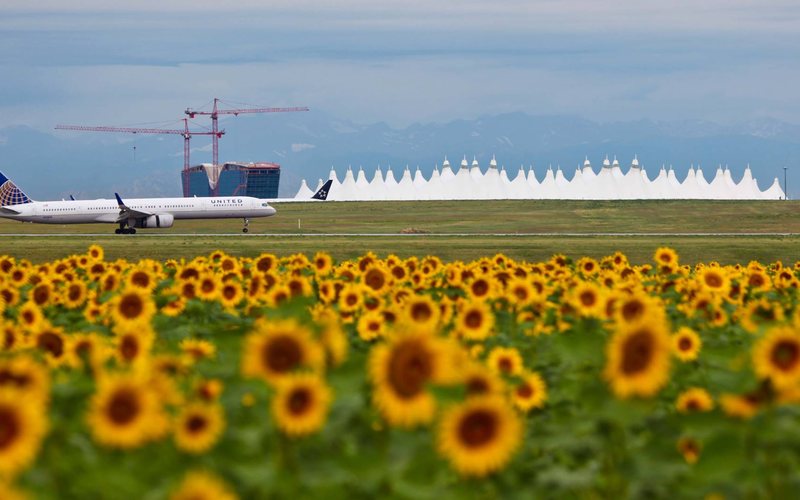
x=108, y=211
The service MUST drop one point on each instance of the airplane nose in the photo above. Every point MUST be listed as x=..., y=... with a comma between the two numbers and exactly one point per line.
x=270, y=211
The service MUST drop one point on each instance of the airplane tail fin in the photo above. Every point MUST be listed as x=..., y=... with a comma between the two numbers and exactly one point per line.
x=10, y=194
x=322, y=193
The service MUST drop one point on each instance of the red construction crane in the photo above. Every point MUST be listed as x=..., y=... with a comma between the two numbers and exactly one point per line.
x=186, y=133
x=215, y=112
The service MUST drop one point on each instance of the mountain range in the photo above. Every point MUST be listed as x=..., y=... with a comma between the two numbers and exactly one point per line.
x=55, y=164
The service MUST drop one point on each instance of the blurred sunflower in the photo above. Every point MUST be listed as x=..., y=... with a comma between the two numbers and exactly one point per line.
x=475, y=320
x=690, y=449
x=481, y=288
x=402, y=369
x=95, y=252
x=686, y=344
x=277, y=348
x=479, y=436
x=351, y=297
x=695, y=399
x=207, y=287
x=777, y=356
x=22, y=426
x=198, y=427
x=758, y=281
x=198, y=485
x=132, y=344
x=505, y=361
x=421, y=311
x=637, y=359
x=198, y=349
x=759, y=313
x=377, y=278
x=25, y=376
x=265, y=262
x=323, y=263
x=75, y=294
x=587, y=299
x=30, y=316
x=300, y=406
x=530, y=393
x=478, y=380
x=42, y=294
x=371, y=326
x=125, y=412
x=714, y=280
x=141, y=278
x=132, y=306
x=53, y=343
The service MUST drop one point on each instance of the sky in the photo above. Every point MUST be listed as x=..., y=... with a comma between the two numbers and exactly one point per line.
x=400, y=62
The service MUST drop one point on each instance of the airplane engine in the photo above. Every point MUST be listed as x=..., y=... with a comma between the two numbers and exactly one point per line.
x=156, y=221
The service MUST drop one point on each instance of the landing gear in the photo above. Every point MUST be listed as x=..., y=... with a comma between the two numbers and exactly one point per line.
x=246, y=222
x=124, y=230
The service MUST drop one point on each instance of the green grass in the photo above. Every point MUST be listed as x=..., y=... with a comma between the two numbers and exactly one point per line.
x=474, y=217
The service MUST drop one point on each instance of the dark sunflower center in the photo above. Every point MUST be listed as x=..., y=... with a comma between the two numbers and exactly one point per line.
x=74, y=292
x=637, y=353
x=229, y=292
x=351, y=299
x=131, y=306
x=713, y=280
x=41, y=294
x=665, y=257
x=480, y=288
x=7, y=377
x=632, y=310
x=421, y=312
x=299, y=401
x=588, y=298
x=196, y=424
x=282, y=354
x=756, y=280
x=525, y=391
x=374, y=279
x=473, y=319
x=505, y=365
x=410, y=368
x=685, y=344
x=129, y=348
x=51, y=343
x=9, y=427
x=477, y=385
x=207, y=286
x=140, y=279
x=399, y=272
x=123, y=407
x=264, y=264
x=478, y=428
x=693, y=404
x=188, y=290
x=521, y=292
x=785, y=355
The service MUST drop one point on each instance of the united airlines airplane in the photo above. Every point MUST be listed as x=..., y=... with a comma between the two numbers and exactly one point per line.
x=133, y=213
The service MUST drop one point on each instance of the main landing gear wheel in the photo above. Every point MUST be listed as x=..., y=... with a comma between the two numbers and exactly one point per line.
x=246, y=222
x=125, y=230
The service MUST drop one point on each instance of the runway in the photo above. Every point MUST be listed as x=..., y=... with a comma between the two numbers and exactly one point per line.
x=386, y=235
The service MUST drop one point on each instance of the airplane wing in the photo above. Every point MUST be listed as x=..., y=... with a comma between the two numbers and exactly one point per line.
x=8, y=211
x=126, y=213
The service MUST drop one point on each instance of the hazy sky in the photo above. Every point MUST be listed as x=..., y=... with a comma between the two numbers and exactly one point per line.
x=401, y=62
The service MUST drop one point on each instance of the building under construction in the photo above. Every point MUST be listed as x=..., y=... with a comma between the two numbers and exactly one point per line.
x=259, y=180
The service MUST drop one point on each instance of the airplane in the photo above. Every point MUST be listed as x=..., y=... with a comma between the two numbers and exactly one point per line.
x=133, y=213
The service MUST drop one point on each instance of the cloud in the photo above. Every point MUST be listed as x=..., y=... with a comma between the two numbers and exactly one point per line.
x=296, y=148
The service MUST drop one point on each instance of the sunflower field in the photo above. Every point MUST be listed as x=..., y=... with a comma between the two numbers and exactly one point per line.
x=226, y=377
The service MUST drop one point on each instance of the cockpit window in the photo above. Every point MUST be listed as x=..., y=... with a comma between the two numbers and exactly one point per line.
x=265, y=204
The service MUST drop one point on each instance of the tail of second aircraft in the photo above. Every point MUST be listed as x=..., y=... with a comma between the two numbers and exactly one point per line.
x=322, y=193
x=10, y=194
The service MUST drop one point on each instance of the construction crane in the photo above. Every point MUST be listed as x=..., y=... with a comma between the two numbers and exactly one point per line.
x=186, y=133
x=215, y=112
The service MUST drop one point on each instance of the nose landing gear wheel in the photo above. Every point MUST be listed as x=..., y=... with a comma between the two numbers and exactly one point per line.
x=246, y=222
x=245, y=230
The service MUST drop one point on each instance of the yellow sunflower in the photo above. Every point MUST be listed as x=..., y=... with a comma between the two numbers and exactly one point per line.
x=714, y=280
x=323, y=264
x=690, y=449
x=475, y=320
x=24, y=375
x=421, y=311
x=198, y=427
x=686, y=344
x=277, y=348
x=371, y=326
x=125, y=412
x=75, y=295
x=637, y=359
x=198, y=349
x=505, y=361
x=479, y=436
x=231, y=294
x=30, y=316
x=141, y=278
x=132, y=306
x=402, y=369
x=54, y=344
x=23, y=424
x=777, y=357
x=759, y=313
x=131, y=344
x=478, y=380
x=300, y=406
x=695, y=399
x=198, y=485
x=530, y=393
x=587, y=299
x=95, y=252
x=351, y=297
